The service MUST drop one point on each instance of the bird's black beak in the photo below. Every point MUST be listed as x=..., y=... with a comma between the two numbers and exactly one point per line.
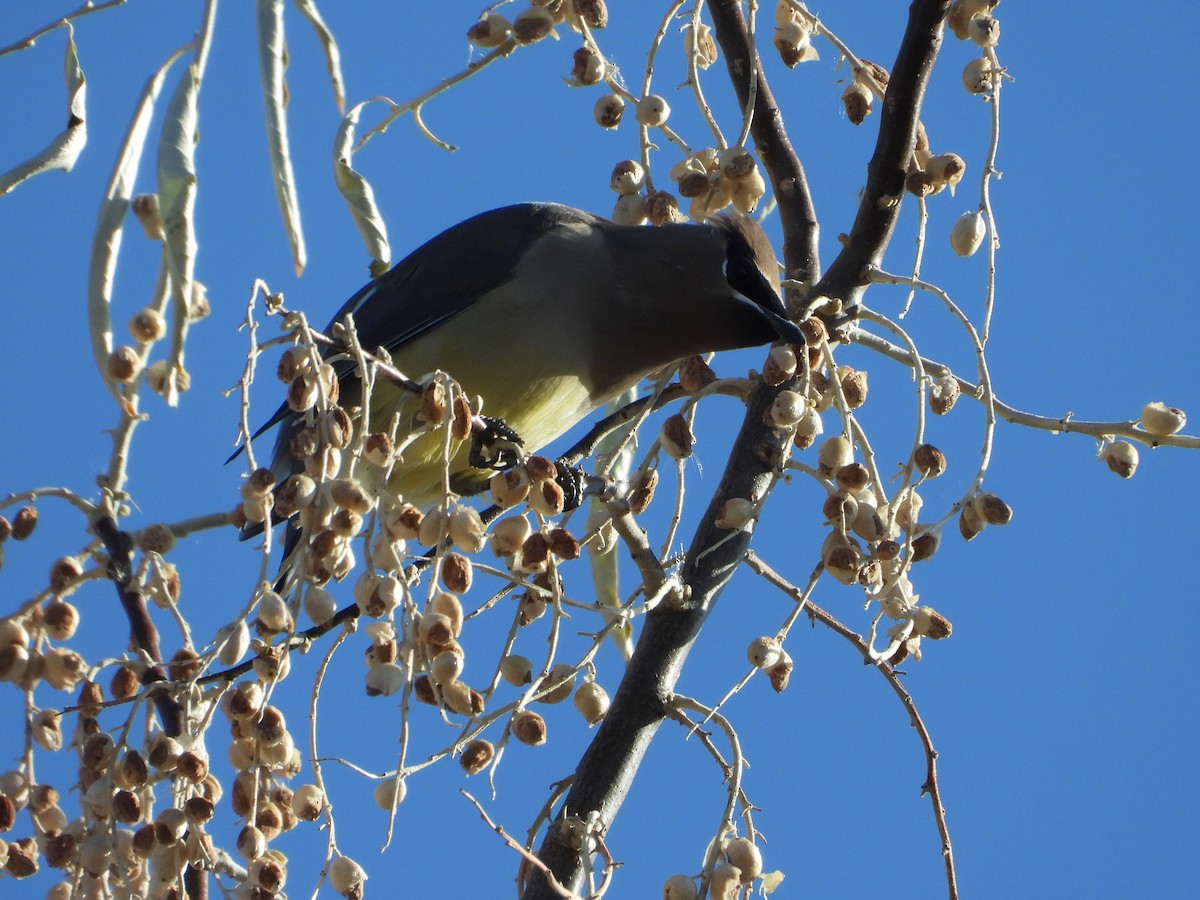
x=746, y=278
x=787, y=330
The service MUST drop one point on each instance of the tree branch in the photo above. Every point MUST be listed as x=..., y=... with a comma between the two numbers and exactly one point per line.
x=801, y=257
x=606, y=771
x=930, y=785
x=142, y=633
x=901, y=108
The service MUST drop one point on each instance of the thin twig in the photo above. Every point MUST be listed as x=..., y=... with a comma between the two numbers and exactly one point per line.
x=930, y=786
x=880, y=201
x=414, y=105
x=1128, y=429
x=985, y=197
x=529, y=857
x=315, y=760
x=797, y=215
x=29, y=40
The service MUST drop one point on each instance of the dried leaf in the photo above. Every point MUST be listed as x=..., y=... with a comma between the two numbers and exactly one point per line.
x=66, y=147
x=272, y=61
x=177, y=200
x=110, y=224
x=333, y=60
x=360, y=199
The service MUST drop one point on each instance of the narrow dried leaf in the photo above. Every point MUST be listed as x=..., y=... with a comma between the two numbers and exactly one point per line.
x=272, y=61
x=359, y=197
x=177, y=200
x=66, y=147
x=605, y=562
x=110, y=224
x=333, y=59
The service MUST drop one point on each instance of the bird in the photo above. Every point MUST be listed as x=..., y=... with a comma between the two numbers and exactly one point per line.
x=547, y=313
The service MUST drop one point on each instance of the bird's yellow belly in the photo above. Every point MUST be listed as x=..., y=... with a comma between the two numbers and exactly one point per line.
x=538, y=411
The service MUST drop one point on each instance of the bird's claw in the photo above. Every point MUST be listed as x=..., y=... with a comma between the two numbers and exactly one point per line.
x=495, y=446
x=577, y=484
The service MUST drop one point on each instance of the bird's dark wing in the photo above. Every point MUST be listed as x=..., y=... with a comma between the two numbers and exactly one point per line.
x=451, y=272
x=443, y=277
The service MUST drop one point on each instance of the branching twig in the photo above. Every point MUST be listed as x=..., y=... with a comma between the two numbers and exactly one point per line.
x=880, y=204
x=985, y=196
x=530, y=858
x=801, y=257
x=732, y=770
x=414, y=105
x=142, y=632
x=930, y=786
x=1127, y=429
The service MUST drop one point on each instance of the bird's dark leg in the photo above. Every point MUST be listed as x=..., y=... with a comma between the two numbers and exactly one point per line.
x=571, y=480
x=495, y=445
x=577, y=484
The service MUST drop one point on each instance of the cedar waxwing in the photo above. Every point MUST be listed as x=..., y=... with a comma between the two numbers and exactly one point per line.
x=547, y=313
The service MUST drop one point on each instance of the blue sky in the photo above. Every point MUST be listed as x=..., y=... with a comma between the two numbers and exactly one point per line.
x=1063, y=707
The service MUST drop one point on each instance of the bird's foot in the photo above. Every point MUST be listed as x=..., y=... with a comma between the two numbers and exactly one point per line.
x=496, y=445
x=577, y=484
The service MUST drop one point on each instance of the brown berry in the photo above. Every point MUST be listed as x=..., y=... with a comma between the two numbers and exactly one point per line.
x=930, y=461
x=476, y=756
x=24, y=522
x=529, y=728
